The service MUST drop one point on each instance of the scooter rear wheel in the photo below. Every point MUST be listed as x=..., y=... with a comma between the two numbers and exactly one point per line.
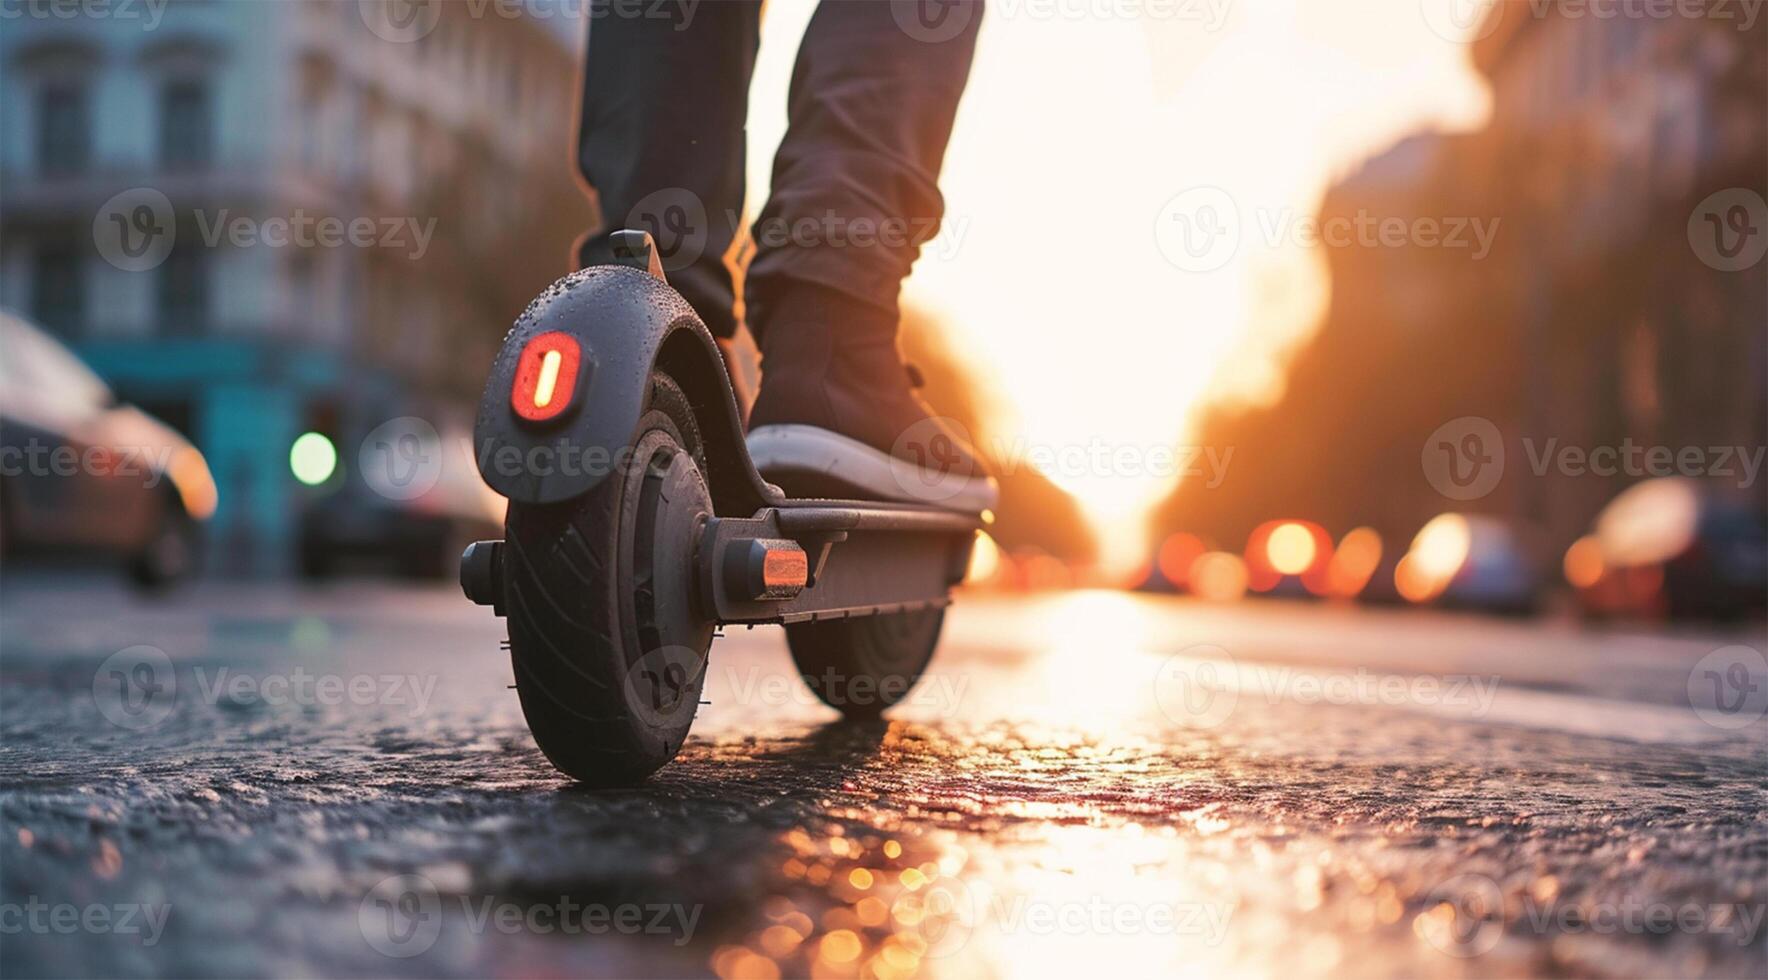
x=609, y=654
x=864, y=665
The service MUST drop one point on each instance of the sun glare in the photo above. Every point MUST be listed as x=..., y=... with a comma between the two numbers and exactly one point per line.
x=1090, y=344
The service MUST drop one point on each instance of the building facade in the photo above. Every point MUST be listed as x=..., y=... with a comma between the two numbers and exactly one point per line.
x=261, y=219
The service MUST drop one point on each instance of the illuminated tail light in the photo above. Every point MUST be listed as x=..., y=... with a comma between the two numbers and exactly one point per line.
x=547, y=377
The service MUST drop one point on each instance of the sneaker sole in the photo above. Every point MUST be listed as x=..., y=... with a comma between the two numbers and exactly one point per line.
x=817, y=461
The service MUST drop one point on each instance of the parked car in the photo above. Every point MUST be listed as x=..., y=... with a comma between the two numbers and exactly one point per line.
x=84, y=476
x=1672, y=547
x=1469, y=561
x=355, y=521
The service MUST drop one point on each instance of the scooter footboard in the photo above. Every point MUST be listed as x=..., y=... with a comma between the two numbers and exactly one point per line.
x=792, y=565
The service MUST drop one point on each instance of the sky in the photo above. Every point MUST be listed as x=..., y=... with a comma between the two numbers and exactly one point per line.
x=1091, y=133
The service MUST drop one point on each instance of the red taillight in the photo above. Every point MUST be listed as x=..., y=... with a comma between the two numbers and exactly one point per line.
x=546, y=377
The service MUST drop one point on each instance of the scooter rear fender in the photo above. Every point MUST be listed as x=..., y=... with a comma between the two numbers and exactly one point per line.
x=628, y=323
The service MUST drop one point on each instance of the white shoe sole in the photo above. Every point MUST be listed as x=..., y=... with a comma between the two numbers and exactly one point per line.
x=779, y=450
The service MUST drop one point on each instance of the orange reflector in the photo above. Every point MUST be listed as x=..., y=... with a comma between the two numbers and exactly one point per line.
x=765, y=569
x=546, y=377
x=785, y=568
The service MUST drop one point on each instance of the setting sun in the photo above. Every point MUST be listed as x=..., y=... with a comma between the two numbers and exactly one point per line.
x=1050, y=278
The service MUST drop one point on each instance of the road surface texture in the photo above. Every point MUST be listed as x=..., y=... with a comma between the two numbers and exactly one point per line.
x=259, y=780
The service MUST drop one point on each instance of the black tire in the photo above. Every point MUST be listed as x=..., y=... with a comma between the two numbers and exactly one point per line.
x=860, y=667
x=609, y=658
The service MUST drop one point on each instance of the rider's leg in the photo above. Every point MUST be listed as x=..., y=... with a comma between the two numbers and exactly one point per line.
x=665, y=95
x=855, y=194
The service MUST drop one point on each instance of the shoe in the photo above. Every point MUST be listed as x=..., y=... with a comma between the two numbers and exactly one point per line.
x=837, y=416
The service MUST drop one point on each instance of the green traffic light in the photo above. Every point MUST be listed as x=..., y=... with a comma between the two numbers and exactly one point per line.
x=313, y=459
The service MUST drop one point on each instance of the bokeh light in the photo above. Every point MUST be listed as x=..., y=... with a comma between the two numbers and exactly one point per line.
x=1354, y=562
x=313, y=459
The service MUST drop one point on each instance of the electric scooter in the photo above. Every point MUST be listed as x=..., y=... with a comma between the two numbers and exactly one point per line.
x=638, y=527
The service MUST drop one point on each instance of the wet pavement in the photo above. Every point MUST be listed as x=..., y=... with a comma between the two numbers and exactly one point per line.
x=257, y=780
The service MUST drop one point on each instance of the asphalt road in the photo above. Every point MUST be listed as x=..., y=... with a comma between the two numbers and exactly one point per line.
x=340, y=782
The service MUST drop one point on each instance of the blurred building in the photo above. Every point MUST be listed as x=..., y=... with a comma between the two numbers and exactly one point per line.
x=1593, y=319
x=360, y=197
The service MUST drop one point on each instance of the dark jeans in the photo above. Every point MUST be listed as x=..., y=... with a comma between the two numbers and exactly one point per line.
x=855, y=190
